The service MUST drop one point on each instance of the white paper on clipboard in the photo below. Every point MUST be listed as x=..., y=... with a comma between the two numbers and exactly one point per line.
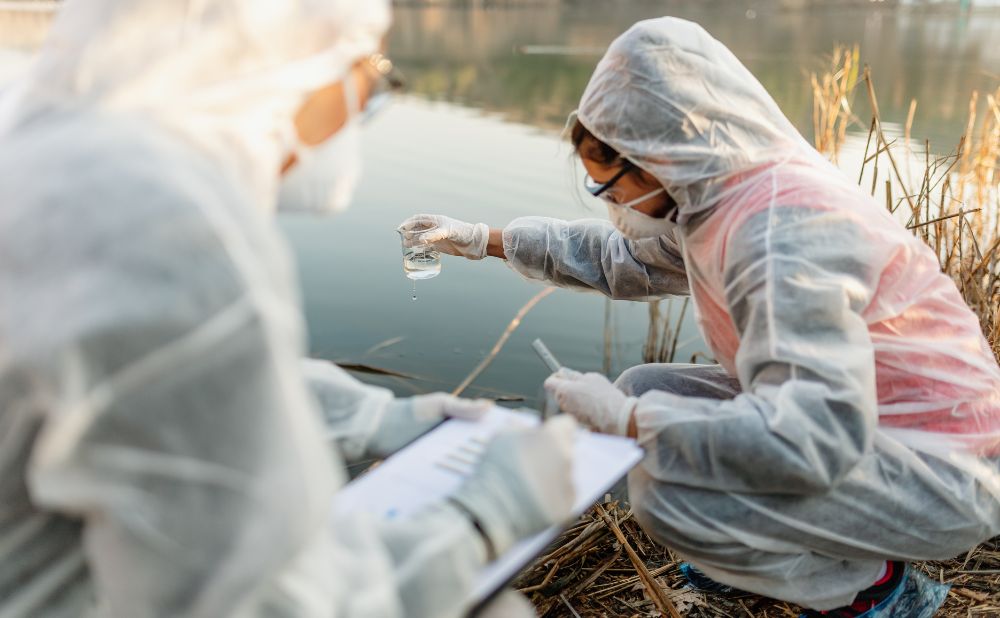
x=412, y=478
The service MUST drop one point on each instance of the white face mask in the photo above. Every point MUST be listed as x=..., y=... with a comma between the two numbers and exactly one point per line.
x=324, y=176
x=636, y=225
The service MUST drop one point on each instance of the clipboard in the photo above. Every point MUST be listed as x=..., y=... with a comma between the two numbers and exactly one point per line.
x=431, y=468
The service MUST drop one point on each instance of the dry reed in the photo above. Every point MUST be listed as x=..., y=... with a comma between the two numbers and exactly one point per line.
x=514, y=323
x=664, y=331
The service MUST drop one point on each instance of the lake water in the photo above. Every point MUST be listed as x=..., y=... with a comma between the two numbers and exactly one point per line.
x=478, y=139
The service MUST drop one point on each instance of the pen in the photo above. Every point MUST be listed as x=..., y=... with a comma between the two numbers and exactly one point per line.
x=550, y=361
x=543, y=352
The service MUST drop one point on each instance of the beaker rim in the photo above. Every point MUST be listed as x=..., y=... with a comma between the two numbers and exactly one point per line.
x=413, y=231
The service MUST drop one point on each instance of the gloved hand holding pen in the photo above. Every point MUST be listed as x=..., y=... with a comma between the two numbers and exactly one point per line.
x=522, y=485
x=368, y=421
x=593, y=400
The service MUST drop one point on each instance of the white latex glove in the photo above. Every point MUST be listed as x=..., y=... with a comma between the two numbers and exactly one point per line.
x=523, y=483
x=592, y=399
x=451, y=236
x=407, y=419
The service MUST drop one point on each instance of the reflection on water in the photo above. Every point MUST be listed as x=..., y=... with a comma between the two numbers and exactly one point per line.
x=479, y=141
x=487, y=58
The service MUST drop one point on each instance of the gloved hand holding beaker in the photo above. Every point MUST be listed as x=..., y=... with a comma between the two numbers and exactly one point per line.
x=447, y=235
x=523, y=483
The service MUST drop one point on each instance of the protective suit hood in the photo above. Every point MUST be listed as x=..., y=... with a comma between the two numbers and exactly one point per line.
x=680, y=105
x=226, y=74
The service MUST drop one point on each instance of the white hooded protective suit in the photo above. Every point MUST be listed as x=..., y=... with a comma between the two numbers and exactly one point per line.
x=160, y=453
x=856, y=414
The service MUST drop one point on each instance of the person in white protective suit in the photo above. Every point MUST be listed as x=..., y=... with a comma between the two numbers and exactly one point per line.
x=853, y=420
x=161, y=452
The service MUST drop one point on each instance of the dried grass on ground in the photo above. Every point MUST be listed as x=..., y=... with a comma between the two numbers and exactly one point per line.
x=588, y=573
x=606, y=566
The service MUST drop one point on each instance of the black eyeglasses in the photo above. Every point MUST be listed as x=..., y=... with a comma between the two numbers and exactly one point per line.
x=597, y=189
x=389, y=81
x=390, y=77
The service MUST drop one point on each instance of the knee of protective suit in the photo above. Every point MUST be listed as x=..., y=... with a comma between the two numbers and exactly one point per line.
x=711, y=381
x=635, y=381
x=679, y=517
x=645, y=498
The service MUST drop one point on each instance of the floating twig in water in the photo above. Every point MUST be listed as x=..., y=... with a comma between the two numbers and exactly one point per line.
x=489, y=393
x=559, y=50
x=385, y=344
x=372, y=369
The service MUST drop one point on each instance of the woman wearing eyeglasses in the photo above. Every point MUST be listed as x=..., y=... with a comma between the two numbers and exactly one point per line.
x=853, y=421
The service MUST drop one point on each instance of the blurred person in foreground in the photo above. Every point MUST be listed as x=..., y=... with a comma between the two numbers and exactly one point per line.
x=852, y=422
x=162, y=450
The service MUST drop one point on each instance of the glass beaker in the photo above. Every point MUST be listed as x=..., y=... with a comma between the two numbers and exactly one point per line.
x=420, y=261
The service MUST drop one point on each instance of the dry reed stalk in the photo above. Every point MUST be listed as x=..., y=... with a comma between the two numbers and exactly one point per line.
x=655, y=592
x=652, y=333
x=608, y=336
x=528, y=306
x=677, y=332
x=832, y=95
x=907, y=132
x=663, y=332
x=879, y=133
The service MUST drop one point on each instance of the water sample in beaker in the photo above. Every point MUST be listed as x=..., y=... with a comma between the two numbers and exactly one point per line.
x=421, y=262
